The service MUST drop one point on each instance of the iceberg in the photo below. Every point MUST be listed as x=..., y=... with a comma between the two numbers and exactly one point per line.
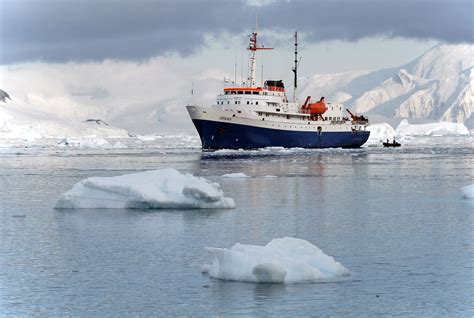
x=468, y=192
x=380, y=132
x=156, y=189
x=434, y=129
x=283, y=260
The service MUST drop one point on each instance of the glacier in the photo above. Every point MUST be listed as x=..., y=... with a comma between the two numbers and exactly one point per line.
x=156, y=189
x=282, y=260
x=433, y=129
x=28, y=124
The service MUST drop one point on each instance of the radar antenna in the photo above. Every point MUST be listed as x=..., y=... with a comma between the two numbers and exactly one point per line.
x=295, y=68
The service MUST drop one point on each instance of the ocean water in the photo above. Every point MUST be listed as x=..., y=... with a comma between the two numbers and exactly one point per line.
x=393, y=217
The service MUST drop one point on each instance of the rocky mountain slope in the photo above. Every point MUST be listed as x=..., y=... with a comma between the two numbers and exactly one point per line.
x=436, y=86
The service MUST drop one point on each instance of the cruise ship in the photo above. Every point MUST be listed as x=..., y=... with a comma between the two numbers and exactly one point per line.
x=250, y=116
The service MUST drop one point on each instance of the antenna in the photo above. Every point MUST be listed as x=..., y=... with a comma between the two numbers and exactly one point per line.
x=235, y=67
x=253, y=48
x=295, y=69
x=242, y=68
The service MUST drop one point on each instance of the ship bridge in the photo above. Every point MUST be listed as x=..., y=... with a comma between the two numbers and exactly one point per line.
x=272, y=93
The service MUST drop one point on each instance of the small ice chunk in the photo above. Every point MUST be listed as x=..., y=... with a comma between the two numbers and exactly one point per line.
x=156, y=189
x=235, y=175
x=270, y=176
x=283, y=260
x=468, y=191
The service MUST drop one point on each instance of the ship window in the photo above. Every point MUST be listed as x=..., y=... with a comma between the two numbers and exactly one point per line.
x=256, y=103
x=235, y=102
x=287, y=116
x=255, y=93
x=248, y=102
x=228, y=102
x=239, y=111
x=234, y=92
x=240, y=92
x=248, y=92
x=278, y=109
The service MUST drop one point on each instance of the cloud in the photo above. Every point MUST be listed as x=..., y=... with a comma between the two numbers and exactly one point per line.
x=59, y=31
x=139, y=97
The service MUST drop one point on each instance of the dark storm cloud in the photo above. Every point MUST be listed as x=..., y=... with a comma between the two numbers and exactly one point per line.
x=61, y=30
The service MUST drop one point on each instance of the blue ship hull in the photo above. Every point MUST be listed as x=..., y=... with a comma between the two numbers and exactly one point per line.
x=218, y=135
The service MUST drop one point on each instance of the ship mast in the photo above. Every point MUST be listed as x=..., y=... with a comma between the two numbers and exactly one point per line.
x=253, y=58
x=295, y=69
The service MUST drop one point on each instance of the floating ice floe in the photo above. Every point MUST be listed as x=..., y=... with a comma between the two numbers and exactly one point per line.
x=84, y=143
x=156, y=189
x=433, y=129
x=468, y=192
x=235, y=175
x=283, y=260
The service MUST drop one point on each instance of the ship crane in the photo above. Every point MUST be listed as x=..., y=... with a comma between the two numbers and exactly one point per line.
x=253, y=48
x=357, y=118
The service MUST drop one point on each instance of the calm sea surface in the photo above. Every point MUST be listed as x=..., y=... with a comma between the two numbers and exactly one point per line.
x=393, y=217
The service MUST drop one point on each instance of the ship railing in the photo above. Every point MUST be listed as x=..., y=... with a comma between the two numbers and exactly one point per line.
x=360, y=122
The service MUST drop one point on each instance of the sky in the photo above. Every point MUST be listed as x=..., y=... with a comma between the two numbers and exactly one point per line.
x=59, y=31
x=149, y=42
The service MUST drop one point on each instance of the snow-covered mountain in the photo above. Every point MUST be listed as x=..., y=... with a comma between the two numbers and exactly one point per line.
x=29, y=124
x=150, y=97
x=436, y=86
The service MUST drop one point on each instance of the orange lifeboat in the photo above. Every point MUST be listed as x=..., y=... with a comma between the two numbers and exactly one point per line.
x=317, y=108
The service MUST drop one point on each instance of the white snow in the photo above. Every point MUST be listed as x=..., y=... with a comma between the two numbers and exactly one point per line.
x=156, y=189
x=18, y=121
x=235, y=175
x=468, y=192
x=282, y=260
x=438, y=86
x=433, y=129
